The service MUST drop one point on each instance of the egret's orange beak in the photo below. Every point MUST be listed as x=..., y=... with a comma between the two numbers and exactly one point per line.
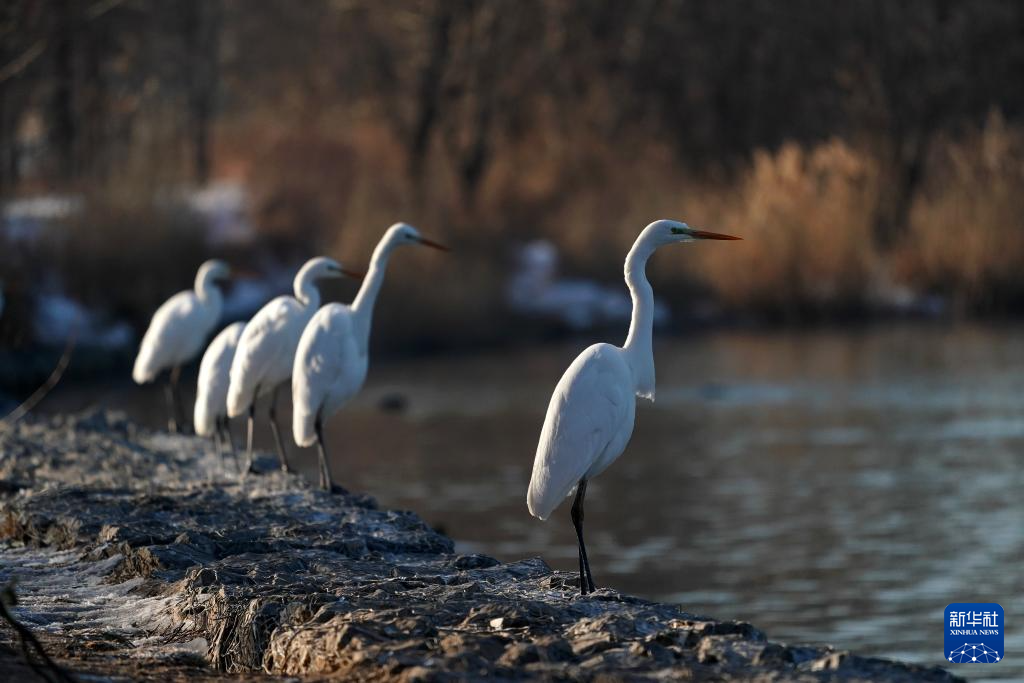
x=435, y=245
x=705, y=235
x=354, y=274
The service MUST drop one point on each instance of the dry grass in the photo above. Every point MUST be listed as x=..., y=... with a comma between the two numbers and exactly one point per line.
x=966, y=233
x=335, y=187
x=806, y=216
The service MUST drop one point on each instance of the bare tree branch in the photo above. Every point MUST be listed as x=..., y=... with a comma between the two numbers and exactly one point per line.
x=22, y=62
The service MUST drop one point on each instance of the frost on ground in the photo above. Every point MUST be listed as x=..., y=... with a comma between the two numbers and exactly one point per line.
x=137, y=555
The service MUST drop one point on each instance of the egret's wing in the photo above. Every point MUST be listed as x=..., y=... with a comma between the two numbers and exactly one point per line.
x=321, y=361
x=170, y=334
x=591, y=405
x=264, y=352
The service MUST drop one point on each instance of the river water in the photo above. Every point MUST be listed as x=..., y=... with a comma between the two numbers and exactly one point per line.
x=838, y=487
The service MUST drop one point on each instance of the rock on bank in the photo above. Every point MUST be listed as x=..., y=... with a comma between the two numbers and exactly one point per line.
x=138, y=553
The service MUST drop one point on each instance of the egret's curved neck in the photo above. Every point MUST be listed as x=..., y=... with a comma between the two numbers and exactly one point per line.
x=639, y=347
x=362, y=305
x=208, y=292
x=305, y=288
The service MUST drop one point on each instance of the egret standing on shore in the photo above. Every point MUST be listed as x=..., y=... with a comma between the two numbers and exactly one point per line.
x=590, y=416
x=211, y=413
x=178, y=331
x=263, y=360
x=332, y=358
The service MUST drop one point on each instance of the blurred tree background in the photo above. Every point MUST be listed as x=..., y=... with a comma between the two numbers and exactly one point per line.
x=869, y=151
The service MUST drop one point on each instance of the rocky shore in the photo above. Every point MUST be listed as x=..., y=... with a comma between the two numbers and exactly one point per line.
x=138, y=556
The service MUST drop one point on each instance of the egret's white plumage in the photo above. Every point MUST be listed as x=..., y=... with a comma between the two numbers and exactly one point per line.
x=212, y=389
x=590, y=417
x=332, y=357
x=263, y=360
x=330, y=368
x=588, y=424
x=267, y=347
x=179, y=328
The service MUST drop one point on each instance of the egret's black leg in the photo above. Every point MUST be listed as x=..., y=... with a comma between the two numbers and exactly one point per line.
x=586, y=562
x=325, y=476
x=282, y=454
x=584, y=585
x=228, y=439
x=586, y=578
x=179, y=413
x=325, y=472
x=224, y=429
x=248, y=441
x=217, y=439
x=172, y=413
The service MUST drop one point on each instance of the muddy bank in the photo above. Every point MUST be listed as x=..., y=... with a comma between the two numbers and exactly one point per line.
x=139, y=553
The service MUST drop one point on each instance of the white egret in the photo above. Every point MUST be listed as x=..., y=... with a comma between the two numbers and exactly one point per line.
x=590, y=417
x=178, y=331
x=332, y=358
x=263, y=360
x=211, y=412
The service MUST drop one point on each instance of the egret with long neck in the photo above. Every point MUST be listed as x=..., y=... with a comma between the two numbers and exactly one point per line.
x=265, y=352
x=178, y=331
x=590, y=417
x=333, y=353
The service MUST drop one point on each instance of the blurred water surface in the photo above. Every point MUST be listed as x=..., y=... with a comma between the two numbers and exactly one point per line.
x=837, y=487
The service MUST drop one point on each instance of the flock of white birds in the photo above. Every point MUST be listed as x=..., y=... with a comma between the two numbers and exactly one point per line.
x=324, y=352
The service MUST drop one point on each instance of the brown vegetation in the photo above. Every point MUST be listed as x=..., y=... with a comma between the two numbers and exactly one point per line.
x=966, y=236
x=858, y=147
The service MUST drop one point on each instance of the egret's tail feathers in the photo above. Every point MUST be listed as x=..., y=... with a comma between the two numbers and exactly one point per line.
x=241, y=393
x=544, y=496
x=534, y=510
x=203, y=418
x=540, y=506
x=144, y=370
x=306, y=405
x=303, y=426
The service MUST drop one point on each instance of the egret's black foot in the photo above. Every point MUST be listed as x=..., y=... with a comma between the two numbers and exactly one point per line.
x=334, y=489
